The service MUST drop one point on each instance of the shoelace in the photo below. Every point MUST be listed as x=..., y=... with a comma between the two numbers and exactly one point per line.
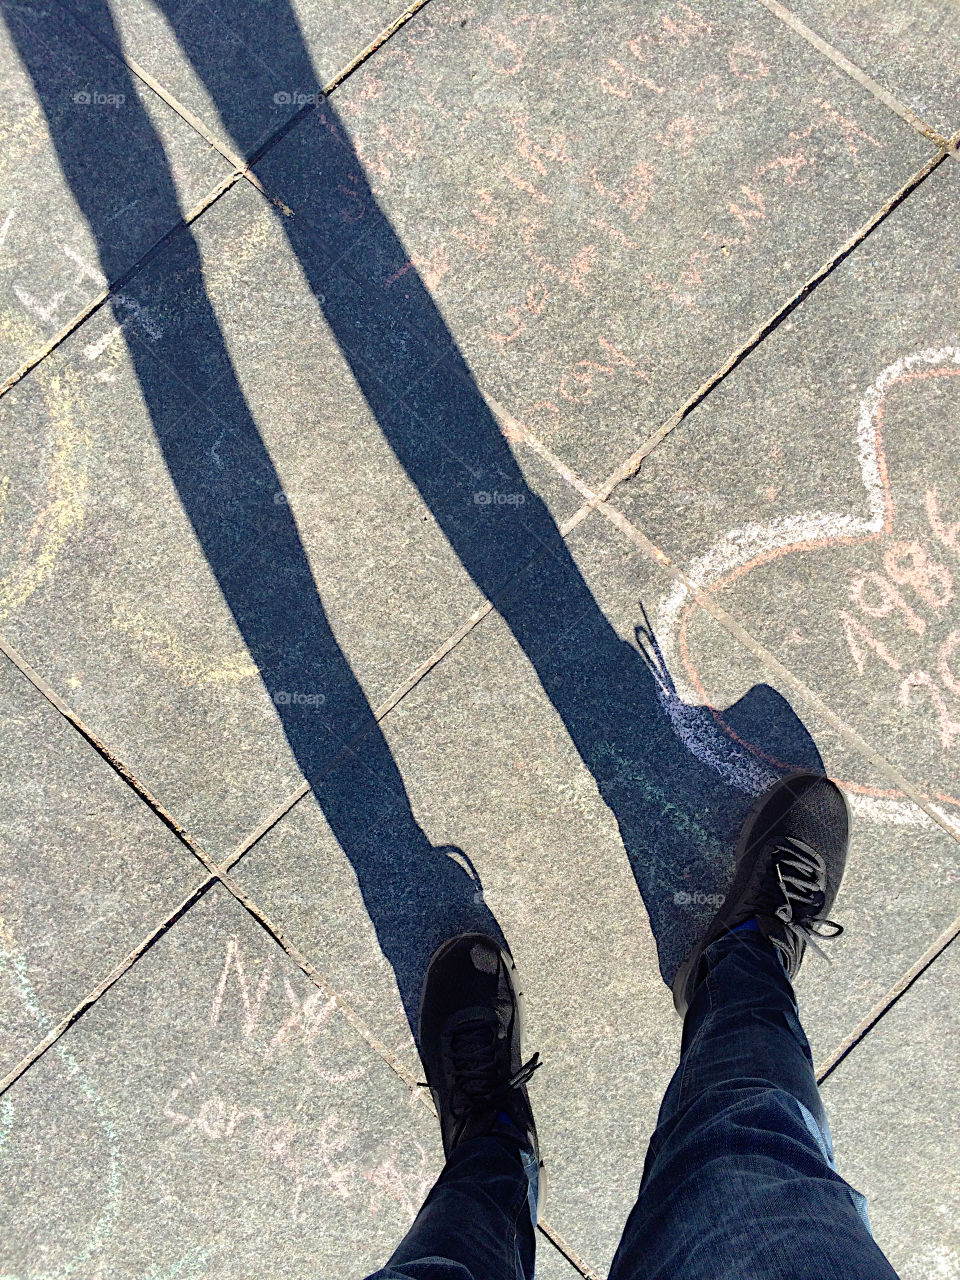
x=474, y=1053
x=525, y=1072
x=802, y=878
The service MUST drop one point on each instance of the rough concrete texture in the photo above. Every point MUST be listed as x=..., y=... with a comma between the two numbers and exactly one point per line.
x=218, y=480
x=86, y=870
x=598, y=902
x=244, y=69
x=95, y=169
x=536, y=167
x=912, y=50
x=815, y=494
x=894, y=1126
x=319, y=644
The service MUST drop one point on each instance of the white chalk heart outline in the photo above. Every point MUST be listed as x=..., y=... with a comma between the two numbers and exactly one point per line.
x=746, y=547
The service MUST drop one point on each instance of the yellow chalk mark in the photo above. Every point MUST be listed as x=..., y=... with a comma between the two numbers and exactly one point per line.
x=169, y=650
x=247, y=247
x=63, y=514
x=20, y=329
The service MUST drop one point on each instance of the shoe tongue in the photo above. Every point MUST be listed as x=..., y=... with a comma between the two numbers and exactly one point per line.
x=484, y=959
x=478, y=1123
x=765, y=895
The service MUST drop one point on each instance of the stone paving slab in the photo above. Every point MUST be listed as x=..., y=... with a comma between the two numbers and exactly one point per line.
x=243, y=69
x=602, y=205
x=913, y=49
x=70, y=112
x=815, y=493
x=495, y=779
x=86, y=870
x=218, y=456
x=276, y=407
x=212, y=1115
x=893, y=1116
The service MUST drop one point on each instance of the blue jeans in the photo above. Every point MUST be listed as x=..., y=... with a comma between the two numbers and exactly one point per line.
x=739, y=1181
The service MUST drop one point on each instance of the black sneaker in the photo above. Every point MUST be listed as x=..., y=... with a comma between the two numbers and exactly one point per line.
x=470, y=1043
x=790, y=860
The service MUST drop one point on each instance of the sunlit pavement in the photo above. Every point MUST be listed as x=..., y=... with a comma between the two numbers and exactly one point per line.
x=454, y=460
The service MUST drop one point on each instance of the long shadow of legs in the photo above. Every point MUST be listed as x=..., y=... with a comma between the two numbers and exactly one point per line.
x=416, y=894
x=678, y=785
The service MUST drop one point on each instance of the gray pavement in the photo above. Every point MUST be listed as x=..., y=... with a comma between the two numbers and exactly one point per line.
x=362, y=455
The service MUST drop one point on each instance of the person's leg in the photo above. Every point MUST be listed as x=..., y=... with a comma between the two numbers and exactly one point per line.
x=476, y=1223
x=479, y=1220
x=739, y=1181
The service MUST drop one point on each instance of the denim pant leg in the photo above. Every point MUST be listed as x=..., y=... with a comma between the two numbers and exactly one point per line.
x=739, y=1181
x=478, y=1222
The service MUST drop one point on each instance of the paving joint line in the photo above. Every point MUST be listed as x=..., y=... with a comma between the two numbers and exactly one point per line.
x=104, y=985
x=631, y=465
x=840, y=60
x=567, y=1250
x=597, y=500
x=344, y=73
x=235, y=158
x=373, y=1042
x=216, y=873
x=105, y=294
x=117, y=51
x=307, y=967
x=262, y=919
x=628, y=468
x=399, y=693
x=594, y=501
x=125, y=774
x=888, y=1000
x=241, y=170
x=391, y=1059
